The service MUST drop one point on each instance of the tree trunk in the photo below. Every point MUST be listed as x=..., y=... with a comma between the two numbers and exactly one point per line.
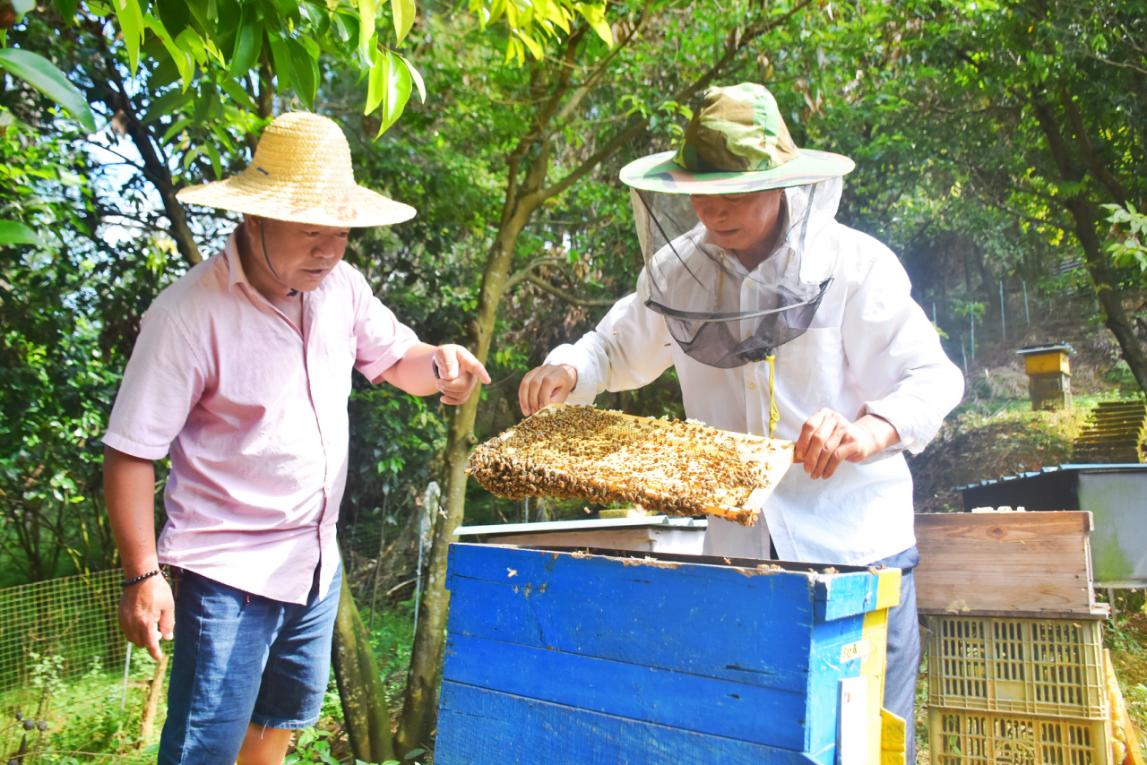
x=360, y=684
x=1107, y=291
x=1085, y=212
x=421, y=700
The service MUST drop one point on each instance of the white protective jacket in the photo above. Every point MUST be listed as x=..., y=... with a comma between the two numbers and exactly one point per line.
x=870, y=349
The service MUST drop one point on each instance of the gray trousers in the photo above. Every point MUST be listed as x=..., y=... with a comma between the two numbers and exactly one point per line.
x=903, y=666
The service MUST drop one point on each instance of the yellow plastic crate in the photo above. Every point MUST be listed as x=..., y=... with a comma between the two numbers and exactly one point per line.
x=960, y=737
x=1043, y=667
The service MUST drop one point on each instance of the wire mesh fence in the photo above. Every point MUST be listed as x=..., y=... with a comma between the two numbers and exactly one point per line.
x=70, y=619
x=68, y=627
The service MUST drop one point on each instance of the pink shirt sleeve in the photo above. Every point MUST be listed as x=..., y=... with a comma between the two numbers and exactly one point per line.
x=163, y=379
x=381, y=339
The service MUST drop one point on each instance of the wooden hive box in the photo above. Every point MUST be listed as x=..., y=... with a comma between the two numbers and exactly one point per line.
x=1006, y=564
x=563, y=657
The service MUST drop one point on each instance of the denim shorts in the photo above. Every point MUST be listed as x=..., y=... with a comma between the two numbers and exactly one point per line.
x=241, y=659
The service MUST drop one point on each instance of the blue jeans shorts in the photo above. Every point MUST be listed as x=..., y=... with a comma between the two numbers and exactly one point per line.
x=242, y=659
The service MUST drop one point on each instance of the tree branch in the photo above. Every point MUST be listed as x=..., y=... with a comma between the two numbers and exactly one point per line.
x=1090, y=156
x=637, y=123
x=602, y=66
x=524, y=272
x=155, y=169
x=567, y=296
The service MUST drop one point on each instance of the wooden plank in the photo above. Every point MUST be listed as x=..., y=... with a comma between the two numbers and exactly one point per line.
x=617, y=539
x=636, y=692
x=587, y=646
x=1005, y=563
x=640, y=614
x=479, y=727
x=699, y=619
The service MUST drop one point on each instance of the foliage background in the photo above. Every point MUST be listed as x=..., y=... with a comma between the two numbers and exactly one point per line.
x=1000, y=149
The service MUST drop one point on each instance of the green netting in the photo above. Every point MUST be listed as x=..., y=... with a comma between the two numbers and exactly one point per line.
x=73, y=618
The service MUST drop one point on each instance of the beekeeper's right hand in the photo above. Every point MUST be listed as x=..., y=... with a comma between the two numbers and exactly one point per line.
x=544, y=385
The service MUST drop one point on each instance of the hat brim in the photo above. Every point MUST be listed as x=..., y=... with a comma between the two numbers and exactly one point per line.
x=353, y=207
x=658, y=172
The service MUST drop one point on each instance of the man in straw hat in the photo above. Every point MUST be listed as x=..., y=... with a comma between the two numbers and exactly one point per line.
x=779, y=321
x=242, y=372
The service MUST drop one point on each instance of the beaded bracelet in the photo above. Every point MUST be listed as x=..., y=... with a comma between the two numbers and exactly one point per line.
x=140, y=578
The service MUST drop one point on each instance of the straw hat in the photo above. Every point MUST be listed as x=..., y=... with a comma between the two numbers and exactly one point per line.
x=302, y=173
x=736, y=143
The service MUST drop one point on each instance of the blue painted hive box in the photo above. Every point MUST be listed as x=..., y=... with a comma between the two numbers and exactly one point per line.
x=563, y=657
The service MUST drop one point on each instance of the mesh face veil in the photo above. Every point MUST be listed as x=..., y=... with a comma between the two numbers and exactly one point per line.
x=720, y=312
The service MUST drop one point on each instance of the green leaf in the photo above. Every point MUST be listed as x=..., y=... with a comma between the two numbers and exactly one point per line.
x=316, y=15
x=131, y=25
x=515, y=51
x=168, y=103
x=388, y=88
x=403, y=12
x=200, y=13
x=12, y=232
x=306, y=72
x=416, y=76
x=176, y=128
x=22, y=7
x=531, y=44
x=346, y=27
x=595, y=16
x=190, y=41
x=239, y=94
x=367, y=12
x=180, y=57
x=248, y=45
x=213, y=155
x=207, y=107
x=376, y=82
x=45, y=77
x=280, y=59
x=66, y=9
x=174, y=14
x=558, y=15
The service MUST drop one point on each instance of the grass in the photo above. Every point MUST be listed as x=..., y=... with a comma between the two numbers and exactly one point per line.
x=90, y=719
x=95, y=718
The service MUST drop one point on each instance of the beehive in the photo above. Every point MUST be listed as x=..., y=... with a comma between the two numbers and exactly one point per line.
x=668, y=466
x=563, y=657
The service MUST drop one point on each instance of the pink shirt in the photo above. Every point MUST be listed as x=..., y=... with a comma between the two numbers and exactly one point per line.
x=254, y=414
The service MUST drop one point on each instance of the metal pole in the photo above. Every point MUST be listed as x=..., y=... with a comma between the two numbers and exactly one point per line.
x=1003, y=313
x=126, y=673
x=1027, y=313
x=972, y=331
x=964, y=354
